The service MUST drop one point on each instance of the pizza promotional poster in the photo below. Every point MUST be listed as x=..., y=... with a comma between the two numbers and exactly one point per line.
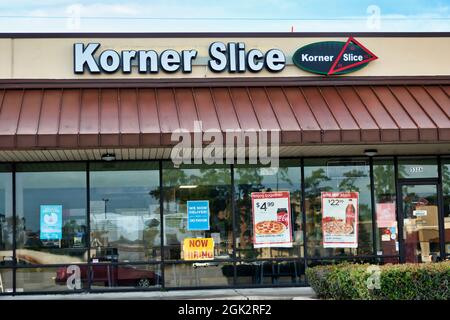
x=340, y=219
x=272, y=225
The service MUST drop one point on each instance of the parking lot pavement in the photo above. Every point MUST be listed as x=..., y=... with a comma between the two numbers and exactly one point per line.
x=304, y=293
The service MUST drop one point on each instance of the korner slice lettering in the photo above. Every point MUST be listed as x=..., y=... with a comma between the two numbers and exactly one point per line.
x=231, y=57
x=307, y=57
x=234, y=57
x=346, y=57
x=333, y=57
x=148, y=61
x=352, y=57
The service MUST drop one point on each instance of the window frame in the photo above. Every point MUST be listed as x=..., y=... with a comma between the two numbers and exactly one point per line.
x=306, y=260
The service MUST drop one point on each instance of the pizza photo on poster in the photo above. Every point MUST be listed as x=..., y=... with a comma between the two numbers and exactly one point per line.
x=272, y=225
x=340, y=219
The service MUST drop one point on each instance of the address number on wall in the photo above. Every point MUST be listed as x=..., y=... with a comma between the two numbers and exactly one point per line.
x=415, y=169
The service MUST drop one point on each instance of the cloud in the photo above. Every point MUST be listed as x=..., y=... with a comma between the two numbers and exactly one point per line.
x=100, y=9
x=39, y=13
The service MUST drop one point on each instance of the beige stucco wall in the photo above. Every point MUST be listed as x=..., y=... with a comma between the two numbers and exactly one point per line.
x=6, y=61
x=53, y=58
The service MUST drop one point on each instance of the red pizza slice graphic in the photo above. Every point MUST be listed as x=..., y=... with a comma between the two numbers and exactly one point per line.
x=341, y=65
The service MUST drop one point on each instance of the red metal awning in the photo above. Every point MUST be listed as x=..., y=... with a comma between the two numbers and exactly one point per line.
x=90, y=118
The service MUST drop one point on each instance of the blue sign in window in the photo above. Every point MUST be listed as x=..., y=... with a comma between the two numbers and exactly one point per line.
x=198, y=215
x=51, y=222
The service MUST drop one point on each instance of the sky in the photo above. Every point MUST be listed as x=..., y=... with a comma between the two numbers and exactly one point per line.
x=224, y=15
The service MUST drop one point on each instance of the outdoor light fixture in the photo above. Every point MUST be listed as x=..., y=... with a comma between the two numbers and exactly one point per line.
x=188, y=187
x=108, y=157
x=370, y=152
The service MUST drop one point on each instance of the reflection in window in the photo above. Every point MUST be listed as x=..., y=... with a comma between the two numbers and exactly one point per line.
x=270, y=272
x=45, y=279
x=6, y=280
x=46, y=236
x=325, y=175
x=200, y=183
x=198, y=274
x=385, y=207
x=6, y=219
x=250, y=179
x=124, y=276
x=420, y=223
x=326, y=262
x=417, y=167
x=125, y=217
x=446, y=196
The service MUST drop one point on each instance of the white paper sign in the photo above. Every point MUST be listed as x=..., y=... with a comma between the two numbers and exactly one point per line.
x=340, y=219
x=271, y=219
x=420, y=213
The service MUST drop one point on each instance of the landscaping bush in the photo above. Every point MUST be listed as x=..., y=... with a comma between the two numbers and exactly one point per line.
x=346, y=281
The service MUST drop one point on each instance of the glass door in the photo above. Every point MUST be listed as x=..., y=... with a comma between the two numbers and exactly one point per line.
x=420, y=216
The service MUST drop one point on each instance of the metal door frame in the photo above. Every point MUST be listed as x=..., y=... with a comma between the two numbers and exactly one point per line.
x=400, y=214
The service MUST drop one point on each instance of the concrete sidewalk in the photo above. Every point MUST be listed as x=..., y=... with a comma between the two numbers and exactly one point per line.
x=304, y=293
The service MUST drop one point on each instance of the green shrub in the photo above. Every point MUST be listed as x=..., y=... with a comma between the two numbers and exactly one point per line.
x=317, y=279
x=396, y=282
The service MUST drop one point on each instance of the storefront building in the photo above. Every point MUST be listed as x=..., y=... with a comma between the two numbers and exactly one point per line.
x=91, y=199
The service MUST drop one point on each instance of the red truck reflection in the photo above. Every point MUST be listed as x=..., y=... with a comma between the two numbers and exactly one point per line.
x=112, y=276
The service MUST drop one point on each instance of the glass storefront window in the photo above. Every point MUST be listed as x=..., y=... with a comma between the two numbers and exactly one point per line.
x=420, y=211
x=207, y=185
x=125, y=221
x=6, y=281
x=6, y=218
x=446, y=197
x=325, y=262
x=337, y=175
x=48, y=279
x=270, y=272
x=113, y=276
x=410, y=168
x=124, y=208
x=51, y=213
x=250, y=179
x=385, y=206
x=198, y=274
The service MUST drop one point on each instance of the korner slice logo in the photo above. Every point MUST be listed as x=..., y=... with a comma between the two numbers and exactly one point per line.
x=333, y=57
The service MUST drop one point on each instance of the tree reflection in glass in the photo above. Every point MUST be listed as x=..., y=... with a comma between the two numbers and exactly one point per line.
x=249, y=179
x=197, y=182
x=325, y=175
